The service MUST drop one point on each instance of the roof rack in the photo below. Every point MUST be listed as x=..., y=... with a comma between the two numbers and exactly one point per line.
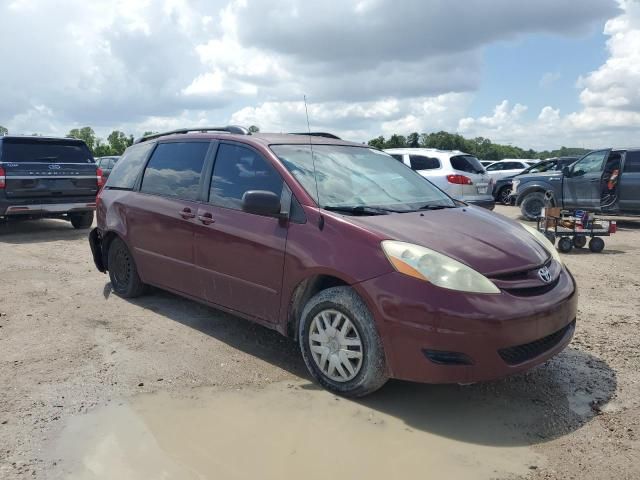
x=317, y=134
x=228, y=129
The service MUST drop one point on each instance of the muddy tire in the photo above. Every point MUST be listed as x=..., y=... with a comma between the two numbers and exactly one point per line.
x=82, y=220
x=532, y=205
x=340, y=343
x=123, y=273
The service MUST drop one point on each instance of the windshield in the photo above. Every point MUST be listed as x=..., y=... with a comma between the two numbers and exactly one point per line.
x=541, y=167
x=359, y=177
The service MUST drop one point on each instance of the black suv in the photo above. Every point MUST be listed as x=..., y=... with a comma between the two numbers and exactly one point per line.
x=48, y=177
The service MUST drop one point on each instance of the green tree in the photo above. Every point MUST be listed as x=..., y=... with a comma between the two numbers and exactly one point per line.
x=379, y=142
x=396, y=141
x=118, y=142
x=3, y=131
x=85, y=134
x=413, y=140
x=254, y=129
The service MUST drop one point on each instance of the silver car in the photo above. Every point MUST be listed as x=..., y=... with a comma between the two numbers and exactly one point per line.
x=457, y=173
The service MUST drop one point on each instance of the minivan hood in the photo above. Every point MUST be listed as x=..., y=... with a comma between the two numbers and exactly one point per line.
x=487, y=242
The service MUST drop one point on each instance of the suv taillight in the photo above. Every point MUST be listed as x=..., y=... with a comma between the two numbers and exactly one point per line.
x=99, y=178
x=459, y=180
x=3, y=181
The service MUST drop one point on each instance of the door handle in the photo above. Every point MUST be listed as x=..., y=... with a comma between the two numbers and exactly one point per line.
x=187, y=213
x=206, y=218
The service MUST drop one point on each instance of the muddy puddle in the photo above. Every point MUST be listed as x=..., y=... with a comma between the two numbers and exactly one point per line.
x=283, y=431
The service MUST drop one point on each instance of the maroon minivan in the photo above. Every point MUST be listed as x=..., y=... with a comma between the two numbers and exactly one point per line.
x=371, y=268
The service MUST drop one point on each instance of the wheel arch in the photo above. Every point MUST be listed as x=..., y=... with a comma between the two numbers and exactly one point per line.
x=538, y=187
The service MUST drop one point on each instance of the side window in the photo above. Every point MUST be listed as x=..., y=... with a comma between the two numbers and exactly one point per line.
x=237, y=170
x=128, y=168
x=589, y=164
x=174, y=170
x=418, y=162
x=397, y=156
x=495, y=167
x=632, y=162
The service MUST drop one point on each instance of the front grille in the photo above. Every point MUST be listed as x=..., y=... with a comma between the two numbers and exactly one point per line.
x=522, y=353
x=533, y=291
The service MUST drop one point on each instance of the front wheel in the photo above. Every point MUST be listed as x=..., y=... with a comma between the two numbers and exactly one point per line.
x=340, y=343
x=503, y=195
x=123, y=273
x=81, y=220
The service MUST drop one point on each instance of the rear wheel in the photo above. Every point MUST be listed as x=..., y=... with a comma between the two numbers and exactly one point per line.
x=123, y=273
x=579, y=241
x=340, y=344
x=81, y=220
x=532, y=205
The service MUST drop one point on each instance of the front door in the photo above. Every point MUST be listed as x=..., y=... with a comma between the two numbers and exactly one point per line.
x=629, y=183
x=582, y=187
x=162, y=216
x=240, y=256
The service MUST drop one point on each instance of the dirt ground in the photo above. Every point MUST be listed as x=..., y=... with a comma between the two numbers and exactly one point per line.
x=93, y=386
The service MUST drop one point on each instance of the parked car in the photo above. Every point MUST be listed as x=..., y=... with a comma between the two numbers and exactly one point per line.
x=604, y=181
x=106, y=164
x=502, y=188
x=486, y=163
x=457, y=173
x=375, y=272
x=507, y=168
x=47, y=177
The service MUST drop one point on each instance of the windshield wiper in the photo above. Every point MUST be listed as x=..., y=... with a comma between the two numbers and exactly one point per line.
x=358, y=209
x=433, y=206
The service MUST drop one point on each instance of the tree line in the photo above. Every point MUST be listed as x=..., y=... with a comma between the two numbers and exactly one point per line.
x=483, y=148
x=480, y=147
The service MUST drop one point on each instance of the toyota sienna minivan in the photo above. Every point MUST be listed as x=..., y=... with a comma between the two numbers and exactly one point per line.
x=373, y=270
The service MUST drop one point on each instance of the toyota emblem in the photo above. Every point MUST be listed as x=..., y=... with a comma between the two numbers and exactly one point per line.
x=544, y=274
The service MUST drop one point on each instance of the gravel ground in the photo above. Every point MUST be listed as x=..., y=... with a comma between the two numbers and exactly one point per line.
x=68, y=347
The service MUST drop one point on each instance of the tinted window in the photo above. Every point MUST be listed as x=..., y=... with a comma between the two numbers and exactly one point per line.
x=632, y=162
x=590, y=163
x=467, y=163
x=492, y=168
x=542, y=167
x=21, y=150
x=238, y=170
x=513, y=166
x=418, y=162
x=126, y=171
x=397, y=156
x=174, y=170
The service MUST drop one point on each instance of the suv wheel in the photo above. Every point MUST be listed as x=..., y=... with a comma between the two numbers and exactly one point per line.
x=81, y=220
x=532, y=205
x=503, y=195
x=340, y=344
x=123, y=273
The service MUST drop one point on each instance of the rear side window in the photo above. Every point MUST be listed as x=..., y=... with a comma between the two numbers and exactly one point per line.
x=632, y=162
x=127, y=170
x=237, y=170
x=418, y=162
x=467, y=163
x=174, y=170
x=25, y=150
x=397, y=156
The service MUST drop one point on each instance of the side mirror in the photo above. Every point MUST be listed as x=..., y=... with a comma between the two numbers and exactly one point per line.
x=566, y=171
x=261, y=202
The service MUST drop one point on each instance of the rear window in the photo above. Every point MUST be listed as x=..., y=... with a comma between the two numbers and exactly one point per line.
x=174, y=170
x=126, y=171
x=466, y=163
x=33, y=150
x=418, y=162
x=632, y=162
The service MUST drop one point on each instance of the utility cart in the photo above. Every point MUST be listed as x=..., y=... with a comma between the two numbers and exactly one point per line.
x=572, y=228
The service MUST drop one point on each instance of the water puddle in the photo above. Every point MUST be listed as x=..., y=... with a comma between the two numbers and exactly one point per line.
x=280, y=432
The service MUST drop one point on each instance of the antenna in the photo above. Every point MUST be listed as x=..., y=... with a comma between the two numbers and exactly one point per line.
x=313, y=162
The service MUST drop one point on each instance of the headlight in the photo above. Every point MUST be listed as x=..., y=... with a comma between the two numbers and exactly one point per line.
x=425, y=264
x=544, y=241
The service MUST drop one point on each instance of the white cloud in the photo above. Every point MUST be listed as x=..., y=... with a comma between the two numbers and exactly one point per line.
x=549, y=78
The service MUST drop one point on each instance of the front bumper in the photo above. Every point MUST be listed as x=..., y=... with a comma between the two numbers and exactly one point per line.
x=499, y=334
